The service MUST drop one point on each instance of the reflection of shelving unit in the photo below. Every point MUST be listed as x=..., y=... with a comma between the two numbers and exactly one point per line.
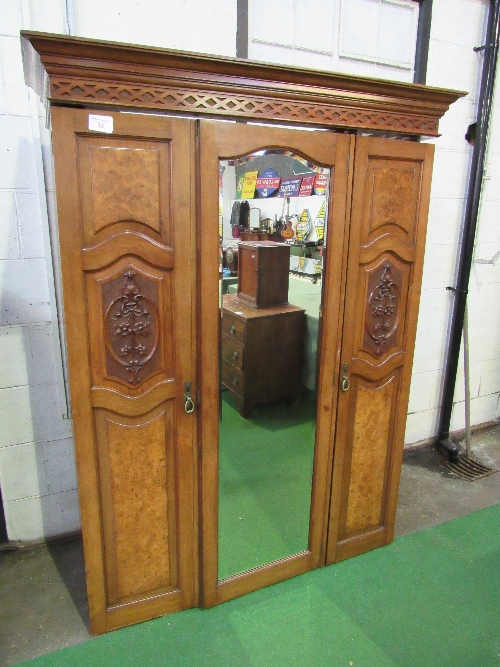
x=273, y=206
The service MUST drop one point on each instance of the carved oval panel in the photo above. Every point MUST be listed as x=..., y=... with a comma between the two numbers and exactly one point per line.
x=382, y=309
x=131, y=324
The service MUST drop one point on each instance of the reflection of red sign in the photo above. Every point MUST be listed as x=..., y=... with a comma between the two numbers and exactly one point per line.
x=320, y=184
x=306, y=186
x=289, y=187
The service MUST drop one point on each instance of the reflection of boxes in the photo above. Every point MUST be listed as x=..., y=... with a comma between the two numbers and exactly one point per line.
x=305, y=265
x=263, y=273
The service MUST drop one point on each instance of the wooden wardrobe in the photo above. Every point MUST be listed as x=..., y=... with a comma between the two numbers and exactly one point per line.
x=137, y=203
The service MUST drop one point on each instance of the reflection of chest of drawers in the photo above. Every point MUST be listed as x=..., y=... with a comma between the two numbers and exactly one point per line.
x=262, y=352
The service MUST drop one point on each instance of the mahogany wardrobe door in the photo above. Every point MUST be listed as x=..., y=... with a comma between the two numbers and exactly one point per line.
x=390, y=200
x=223, y=143
x=126, y=226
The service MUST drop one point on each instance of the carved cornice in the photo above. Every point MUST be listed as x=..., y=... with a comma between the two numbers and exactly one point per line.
x=83, y=71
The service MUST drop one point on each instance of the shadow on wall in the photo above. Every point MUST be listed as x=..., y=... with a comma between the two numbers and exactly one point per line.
x=37, y=462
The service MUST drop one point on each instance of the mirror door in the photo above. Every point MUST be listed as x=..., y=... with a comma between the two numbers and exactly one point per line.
x=272, y=259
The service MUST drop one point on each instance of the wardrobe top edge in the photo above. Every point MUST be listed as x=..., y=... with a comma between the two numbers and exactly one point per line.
x=87, y=72
x=53, y=45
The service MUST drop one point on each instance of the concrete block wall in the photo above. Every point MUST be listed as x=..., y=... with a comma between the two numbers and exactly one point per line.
x=37, y=467
x=484, y=296
x=457, y=27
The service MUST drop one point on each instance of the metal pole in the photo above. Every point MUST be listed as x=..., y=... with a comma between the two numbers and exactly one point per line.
x=468, y=450
x=470, y=222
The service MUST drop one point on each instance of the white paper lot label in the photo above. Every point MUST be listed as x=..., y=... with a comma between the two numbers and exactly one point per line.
x=101, y=123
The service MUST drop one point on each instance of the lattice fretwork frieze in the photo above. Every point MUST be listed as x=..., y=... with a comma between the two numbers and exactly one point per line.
x=175, y=99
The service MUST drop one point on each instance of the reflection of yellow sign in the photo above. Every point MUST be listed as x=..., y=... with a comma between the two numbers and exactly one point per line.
x=249, y=183
x=319, y=223
x=302, y=263
x=239, y=187
x=304, y=225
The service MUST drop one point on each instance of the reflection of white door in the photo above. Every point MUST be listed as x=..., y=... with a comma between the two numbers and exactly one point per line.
x=367, y=37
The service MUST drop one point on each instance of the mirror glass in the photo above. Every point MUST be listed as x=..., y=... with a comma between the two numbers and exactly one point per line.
x=272, y=218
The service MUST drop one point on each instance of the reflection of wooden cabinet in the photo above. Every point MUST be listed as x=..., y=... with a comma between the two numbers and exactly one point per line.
x=138, y=211
x=262, y=351
x=263, y=273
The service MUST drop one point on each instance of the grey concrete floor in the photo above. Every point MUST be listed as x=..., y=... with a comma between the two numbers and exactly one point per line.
x=43, y=604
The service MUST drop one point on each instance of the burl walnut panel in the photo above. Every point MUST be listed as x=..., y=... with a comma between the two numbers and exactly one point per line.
x=392, y=198
x=370, y=440
x=125, y=186
x=139, y=526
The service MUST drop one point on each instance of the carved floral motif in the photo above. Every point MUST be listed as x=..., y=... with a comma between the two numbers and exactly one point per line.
x=382, y=310
x=132, y=332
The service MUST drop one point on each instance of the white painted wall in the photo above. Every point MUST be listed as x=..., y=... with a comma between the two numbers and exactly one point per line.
x=192, y=25
x=37, y=468
x=457, y=27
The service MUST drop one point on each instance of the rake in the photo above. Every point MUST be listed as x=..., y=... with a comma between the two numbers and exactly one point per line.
x=468, y=466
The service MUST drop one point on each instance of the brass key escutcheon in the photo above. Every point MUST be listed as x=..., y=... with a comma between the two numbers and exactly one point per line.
x=188, y=399
x=344, y=383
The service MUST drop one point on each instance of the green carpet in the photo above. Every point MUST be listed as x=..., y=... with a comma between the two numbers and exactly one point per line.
x=265, y=481
x=431, y=599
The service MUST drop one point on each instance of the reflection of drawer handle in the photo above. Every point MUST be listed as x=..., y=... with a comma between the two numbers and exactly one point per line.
x=235, y=381
x=235, y=355
x=232, y=329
